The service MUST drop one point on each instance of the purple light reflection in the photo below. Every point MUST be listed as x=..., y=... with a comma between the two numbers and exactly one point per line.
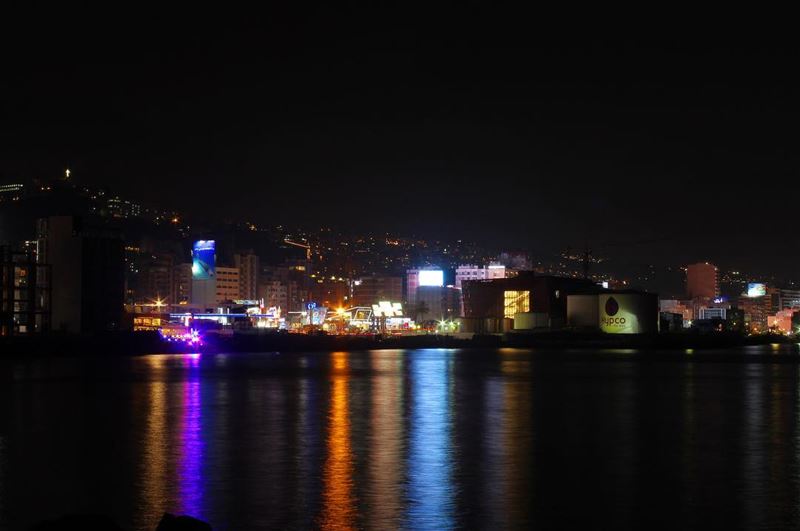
x=191, y=445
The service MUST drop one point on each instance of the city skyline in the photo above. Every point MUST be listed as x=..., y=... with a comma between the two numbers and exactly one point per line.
x=397, y=266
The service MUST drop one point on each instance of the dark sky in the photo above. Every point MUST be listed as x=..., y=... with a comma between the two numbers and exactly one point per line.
x=663, y=145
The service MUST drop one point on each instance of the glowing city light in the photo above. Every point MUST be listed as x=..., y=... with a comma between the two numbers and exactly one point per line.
x=431, y=278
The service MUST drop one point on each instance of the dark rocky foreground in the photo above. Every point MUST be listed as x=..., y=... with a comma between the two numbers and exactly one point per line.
x=92, y=522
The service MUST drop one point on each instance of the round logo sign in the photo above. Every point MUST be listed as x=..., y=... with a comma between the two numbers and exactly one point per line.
x=612, y=306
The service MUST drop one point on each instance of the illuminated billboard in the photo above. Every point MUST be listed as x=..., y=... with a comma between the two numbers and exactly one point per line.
x=387, y=309
x=623, y=314
x=756, y=289
x=431, y=278
x=203, y=256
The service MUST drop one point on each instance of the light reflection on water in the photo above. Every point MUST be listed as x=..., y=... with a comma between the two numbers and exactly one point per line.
x=430, y=497
x=386, y=443
x=339, y=504
x=190, y=443
x=155, y=461
x=429, y=439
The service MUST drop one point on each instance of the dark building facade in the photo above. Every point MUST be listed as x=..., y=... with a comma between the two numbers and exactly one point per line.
x=436, y=303
x=371, y=290
x=527, y=292
x=87, y=274
x=24, y=294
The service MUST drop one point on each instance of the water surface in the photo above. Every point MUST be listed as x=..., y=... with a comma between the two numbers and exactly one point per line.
x=422, y=439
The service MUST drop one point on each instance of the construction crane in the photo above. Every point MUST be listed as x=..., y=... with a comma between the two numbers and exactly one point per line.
x=301, y=245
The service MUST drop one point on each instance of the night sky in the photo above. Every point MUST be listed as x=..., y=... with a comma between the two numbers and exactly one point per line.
x=658, y=147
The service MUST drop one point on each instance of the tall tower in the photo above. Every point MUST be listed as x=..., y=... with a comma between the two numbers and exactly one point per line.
x=204, y=274
x=702, y=280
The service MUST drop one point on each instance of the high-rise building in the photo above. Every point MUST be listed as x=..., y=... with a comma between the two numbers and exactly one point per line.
x=227, y=288
x=756, y=311
x=87, y=274
x=24, y=293
x=274, y=293
x=421, y=277
x=158, y=280
x=204, y=275
x=182, y=284
x=249, y=268
x=371, y=290
x=702, y=281
x=295, y=278
x=789, y=298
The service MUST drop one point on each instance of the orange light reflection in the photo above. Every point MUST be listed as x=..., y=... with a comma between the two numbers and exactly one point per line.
x=338, y=510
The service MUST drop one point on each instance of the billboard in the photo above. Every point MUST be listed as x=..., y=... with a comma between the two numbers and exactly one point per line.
x=625, y=313
x=387, y=309
x=203, y=256
x=431, y=278
x=756, y=289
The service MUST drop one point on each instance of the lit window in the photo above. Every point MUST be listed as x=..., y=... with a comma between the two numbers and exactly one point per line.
x=516, y=302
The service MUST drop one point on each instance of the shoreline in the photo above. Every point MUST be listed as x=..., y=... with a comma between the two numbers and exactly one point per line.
x=144, y=343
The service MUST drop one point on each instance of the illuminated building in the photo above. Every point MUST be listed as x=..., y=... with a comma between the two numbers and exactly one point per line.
x=472, y=272
x=249, y=268
x=421, y=277
x=756, y=310
x=369, y=290
x=486, y=300
x=713, y=313
x=789, y=298
x=227, y=288
x=120, y=208
x=87, y=274
x=149, y=322
x=782, y=321
x=274, y=293
x=11, y=192
x=702, y=281
x=331, y=292
x=24, y=294
x=294, y=278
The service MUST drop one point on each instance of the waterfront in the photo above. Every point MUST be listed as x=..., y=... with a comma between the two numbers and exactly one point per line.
x=383, y=439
